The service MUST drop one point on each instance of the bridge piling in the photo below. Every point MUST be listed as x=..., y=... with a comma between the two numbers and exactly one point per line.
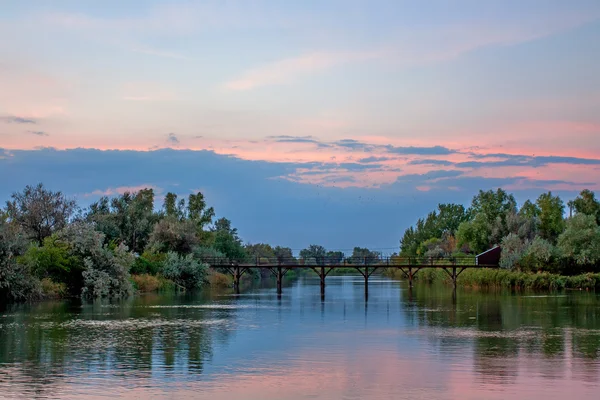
x=279, y=280
x=366, y=281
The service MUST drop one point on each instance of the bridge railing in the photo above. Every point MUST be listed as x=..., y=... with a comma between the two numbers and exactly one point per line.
x=464, y=261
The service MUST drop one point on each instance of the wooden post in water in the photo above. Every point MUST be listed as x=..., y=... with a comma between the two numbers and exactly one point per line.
x=279, y=280
x=410, y=277
x=366, y=281
x=322, y=275
x=236, y=279
x=454, y=277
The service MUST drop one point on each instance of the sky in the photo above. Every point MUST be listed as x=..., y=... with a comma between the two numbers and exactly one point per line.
x=330, y=122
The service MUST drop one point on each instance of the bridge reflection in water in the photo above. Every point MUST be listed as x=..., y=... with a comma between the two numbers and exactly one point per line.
x=365, y=266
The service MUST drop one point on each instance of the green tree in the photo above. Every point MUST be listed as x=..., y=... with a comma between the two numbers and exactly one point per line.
x=364, y=256
x=492, y=205
x=185, y=271
x=260, y=251
x=314, y=253
x=587, y=204
x=17, y=281
x=128, y=218
x=529, y=210
x=334, y=257
x=581, y=240
x=40, y=212
x=172, y=234
x=552, y=222
x=283, y=254
x=197, y=210
x=227, y=241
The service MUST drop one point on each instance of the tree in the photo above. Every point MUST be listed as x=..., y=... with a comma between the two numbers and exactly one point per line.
x=284, y=254
x=581, y=240
x=185, y=271
x=364, y=256
x=17, y=281
x=260, y=251
x=552, y=209
x=587, y=204
x=334, y=257
x=40, y=212
x=474, y=235
x=529, y=210
x=197, y=210
x=172, y=234
x=492, y=205
x=101, y=270
x=173, y=209
x=227, y=241
x=128, y=218
x=513, y=251
x=314, y=253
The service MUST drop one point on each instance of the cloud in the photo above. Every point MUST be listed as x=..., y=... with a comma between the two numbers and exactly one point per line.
x=290, y=69
x=11, y=119
x=172, y=138
x=374, y=159
x=38, y=133
x=294, y=139
x=354, y=145
x=428, y=161
x=433, y=151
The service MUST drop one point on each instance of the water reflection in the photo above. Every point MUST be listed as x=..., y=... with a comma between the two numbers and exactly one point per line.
x=402, y=343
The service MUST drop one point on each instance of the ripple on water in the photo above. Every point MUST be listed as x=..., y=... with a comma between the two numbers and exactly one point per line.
x=212, y=306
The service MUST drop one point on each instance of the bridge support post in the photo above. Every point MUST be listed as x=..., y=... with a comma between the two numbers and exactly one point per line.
x=322, y=275
x=454, y=276
x=366, y=281
x=236, y=279
x=410, y=277
x=279, y=280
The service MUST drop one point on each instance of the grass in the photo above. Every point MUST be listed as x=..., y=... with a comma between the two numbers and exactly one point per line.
x=217, y=279
x=145, y=283
x=53, y=290
x=501, y=278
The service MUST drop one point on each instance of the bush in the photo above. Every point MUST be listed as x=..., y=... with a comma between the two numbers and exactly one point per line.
x=146, y=283
x=217, y=279
x=51, y=289
x=185, y=271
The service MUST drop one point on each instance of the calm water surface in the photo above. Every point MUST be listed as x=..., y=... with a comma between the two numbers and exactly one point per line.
x=425, y=343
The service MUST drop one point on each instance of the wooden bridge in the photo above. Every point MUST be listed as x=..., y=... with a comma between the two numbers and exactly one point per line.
x=323, y=266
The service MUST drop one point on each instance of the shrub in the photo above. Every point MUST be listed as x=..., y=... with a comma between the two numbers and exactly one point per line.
x=146, y=283
x=185, y=271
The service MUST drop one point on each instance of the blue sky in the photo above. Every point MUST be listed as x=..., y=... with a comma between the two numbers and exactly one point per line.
x=353, y=118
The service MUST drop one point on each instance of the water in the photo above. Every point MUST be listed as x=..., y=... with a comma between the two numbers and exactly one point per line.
x=425, y=343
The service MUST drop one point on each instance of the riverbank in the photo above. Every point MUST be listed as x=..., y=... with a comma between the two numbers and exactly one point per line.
x=500, y=278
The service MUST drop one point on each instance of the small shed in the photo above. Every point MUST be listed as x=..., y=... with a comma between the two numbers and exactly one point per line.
x=490, y=257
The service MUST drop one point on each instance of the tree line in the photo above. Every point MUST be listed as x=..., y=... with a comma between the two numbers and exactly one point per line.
x=50, y=246
x=537, y=236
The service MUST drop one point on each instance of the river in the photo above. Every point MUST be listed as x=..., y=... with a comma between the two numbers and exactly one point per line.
x=424, y=343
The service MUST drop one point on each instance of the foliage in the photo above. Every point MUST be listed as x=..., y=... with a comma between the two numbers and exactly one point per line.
x=39, y=212
x=581, y=239
x=551, y=216
x=128, y=218
x=446, y=220
x=587, y=204
x=185, y=271
x=17, y=281
x=513, y=250
x=146, y=283
x=171, y=234
x=227, y=241
x=314, y=253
